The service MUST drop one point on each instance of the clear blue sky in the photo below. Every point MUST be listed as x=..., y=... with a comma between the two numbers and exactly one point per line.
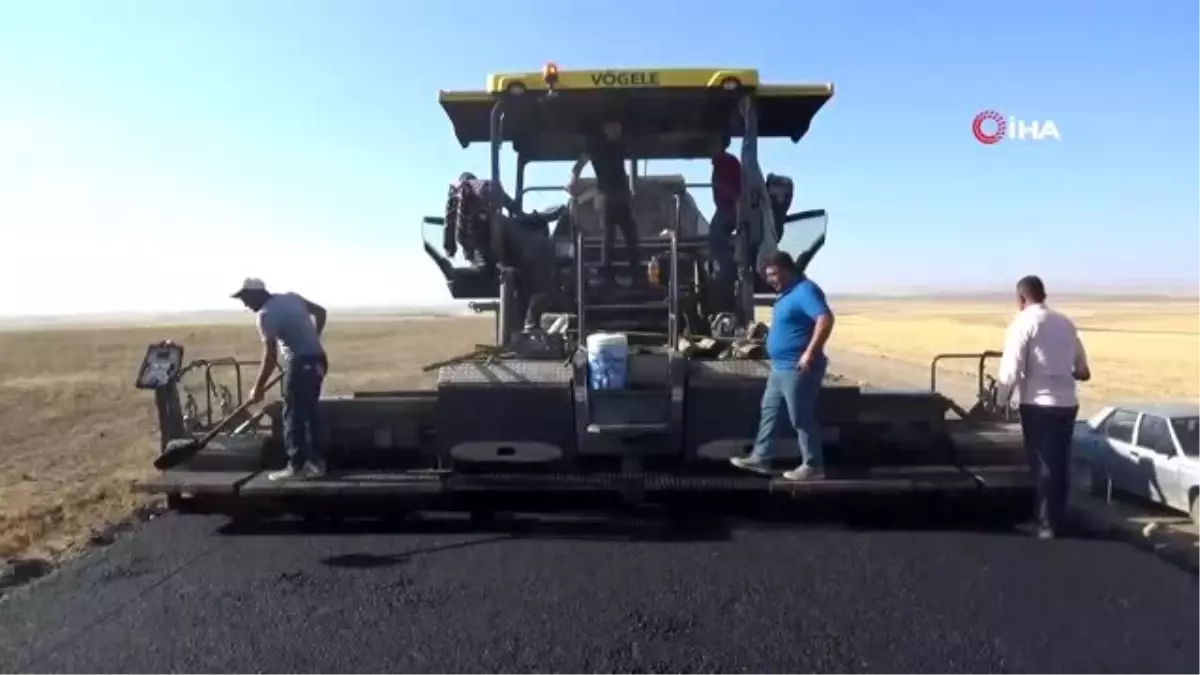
x=301, y=141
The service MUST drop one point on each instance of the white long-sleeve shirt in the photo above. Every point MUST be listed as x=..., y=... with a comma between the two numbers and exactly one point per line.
x=1042, y=355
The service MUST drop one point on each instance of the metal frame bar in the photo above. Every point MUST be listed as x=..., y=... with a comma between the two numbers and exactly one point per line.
x=556, y=188
x=210, y=384
x=673, y=291
x=746, y=271
x=580, y=285
x=982, y=361
x=507, y=320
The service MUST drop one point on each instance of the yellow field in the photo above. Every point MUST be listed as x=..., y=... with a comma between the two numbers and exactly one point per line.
x=1136, y=350
x=74, y=433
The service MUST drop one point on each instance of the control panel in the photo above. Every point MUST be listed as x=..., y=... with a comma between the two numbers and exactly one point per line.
x=160, y=365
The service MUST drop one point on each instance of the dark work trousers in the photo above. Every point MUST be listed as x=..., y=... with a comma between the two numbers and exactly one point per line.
x=720, y=244
x=302, y=379
x=1048, y=431
x=616, y=212
x=532, y=252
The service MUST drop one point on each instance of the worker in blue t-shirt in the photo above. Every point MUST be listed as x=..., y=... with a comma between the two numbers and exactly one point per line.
x=800, y=325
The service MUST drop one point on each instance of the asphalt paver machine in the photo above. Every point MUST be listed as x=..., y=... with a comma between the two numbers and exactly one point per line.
x=522, y=416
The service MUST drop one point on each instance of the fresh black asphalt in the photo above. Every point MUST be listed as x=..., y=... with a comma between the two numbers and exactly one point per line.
x=191, y=594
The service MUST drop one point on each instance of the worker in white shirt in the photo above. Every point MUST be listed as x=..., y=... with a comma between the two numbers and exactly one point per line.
x=1043, y=358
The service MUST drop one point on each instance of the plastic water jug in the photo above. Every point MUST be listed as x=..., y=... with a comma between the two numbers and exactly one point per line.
x=608, y=360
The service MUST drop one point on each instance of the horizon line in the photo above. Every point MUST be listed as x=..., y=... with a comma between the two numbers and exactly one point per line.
x=460, y=308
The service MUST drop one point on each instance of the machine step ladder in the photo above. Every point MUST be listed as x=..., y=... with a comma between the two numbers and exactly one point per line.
x=644, y=312
x=646, y=408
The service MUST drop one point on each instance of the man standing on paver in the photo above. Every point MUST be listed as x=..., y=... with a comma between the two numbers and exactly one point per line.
x=726, y=190
x=1043, y=358
x=295, y=324
x=801, y=323
x=607, y=153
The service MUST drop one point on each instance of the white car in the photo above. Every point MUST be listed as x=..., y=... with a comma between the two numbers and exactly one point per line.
x=1148, y=450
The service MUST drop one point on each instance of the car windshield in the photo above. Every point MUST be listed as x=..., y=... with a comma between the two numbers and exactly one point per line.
x=1187, y=430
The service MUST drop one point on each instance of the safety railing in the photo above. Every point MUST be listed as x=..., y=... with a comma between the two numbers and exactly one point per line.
x=214, y=389
x=672, y=305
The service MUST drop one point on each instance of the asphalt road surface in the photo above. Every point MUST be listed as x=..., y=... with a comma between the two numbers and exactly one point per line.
x=191, y=594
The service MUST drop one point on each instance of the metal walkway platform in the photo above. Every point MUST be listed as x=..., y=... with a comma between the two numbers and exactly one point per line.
x=215, y=483
x=881, y=480
x=353, y=483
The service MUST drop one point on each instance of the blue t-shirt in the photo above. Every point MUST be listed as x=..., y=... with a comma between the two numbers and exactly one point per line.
x=792, y=322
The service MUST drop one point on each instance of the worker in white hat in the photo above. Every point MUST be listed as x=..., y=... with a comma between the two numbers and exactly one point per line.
x=289, y=322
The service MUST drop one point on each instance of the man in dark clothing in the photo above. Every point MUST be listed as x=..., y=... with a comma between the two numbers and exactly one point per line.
x=525, y=238
x=727, y=189
x=606, y=152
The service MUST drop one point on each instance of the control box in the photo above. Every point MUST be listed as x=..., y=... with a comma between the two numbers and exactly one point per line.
x=160, y=366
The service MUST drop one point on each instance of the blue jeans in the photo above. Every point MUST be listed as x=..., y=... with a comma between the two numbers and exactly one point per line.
x=302, y=379
x=798, y=391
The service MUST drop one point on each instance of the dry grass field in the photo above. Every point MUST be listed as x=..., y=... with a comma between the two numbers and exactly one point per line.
x=1136, y=350
x=74, y=433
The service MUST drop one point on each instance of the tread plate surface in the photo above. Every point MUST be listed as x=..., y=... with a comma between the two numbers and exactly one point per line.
x=347, y=483
x=512, y=371
x=883, y=480
x=195, y=482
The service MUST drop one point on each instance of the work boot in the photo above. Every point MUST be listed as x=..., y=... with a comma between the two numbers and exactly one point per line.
x=314, y=469
x=752, y=463
x=803, y=472
x=286, y=473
